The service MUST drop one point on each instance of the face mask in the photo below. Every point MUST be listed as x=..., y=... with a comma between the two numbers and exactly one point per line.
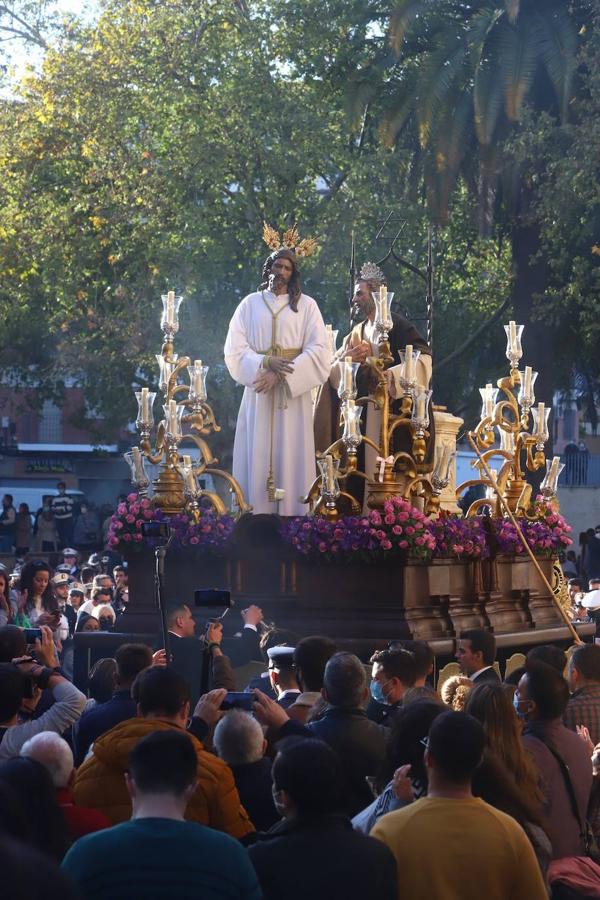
x=377, y=694
x=517, y=706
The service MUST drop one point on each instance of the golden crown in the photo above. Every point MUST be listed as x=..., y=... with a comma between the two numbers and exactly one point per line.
x=289, y=241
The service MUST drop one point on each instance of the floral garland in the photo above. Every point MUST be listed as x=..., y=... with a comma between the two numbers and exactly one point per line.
x=399, y=530
x=210, y=535
x=459, y=537
x=546, y=535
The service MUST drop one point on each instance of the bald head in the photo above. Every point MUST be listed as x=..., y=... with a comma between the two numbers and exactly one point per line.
x=49, y=749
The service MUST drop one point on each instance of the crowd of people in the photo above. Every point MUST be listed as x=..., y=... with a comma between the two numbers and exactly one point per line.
x=61, y=521
x=327, y=777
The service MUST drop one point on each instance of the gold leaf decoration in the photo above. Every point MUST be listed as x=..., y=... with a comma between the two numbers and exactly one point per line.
x=271, y=237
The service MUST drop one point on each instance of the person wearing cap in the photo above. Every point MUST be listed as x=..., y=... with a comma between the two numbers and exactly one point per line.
x=282, y=675
x=60, y=589
x=76, y=595
x=590, y=602
x=70, y=558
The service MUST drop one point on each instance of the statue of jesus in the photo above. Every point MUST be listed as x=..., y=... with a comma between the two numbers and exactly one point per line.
x=277, y=348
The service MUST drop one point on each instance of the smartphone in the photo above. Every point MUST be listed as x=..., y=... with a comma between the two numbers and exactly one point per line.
x=238, y=700
x=32, y=635
x=212, y=597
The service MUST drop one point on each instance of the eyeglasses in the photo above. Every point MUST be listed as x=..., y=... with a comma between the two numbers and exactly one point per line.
x=425, y=742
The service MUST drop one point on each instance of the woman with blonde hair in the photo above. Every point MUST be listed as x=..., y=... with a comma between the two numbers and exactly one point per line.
x=491, y=704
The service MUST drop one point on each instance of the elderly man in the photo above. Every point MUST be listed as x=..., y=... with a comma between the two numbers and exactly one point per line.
x=277, y=348
x=53, y=752
x=361, y=744
x=240, y=742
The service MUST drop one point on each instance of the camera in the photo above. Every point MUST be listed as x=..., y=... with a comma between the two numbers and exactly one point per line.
x=238, y=700
x=158, y=531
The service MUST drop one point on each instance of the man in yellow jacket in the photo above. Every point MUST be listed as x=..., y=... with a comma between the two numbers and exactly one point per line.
x=163, y=703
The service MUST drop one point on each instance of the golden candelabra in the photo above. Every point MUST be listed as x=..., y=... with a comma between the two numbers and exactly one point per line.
x=401, y=473
x=505, y=432
x=176, y=488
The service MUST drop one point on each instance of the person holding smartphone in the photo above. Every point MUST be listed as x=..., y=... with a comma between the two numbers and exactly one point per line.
x=17, y=677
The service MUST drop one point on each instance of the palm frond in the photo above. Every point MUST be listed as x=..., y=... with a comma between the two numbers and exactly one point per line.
x=439, y=77
x=557, y=47
x=488, y=97
x=512, y=10
x=399, y=114
x=402, y=17
x=518, y=56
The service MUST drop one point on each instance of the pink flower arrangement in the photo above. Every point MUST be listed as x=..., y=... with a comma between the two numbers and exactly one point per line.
x=462, y=538
x=399, y=530
x=210, y=535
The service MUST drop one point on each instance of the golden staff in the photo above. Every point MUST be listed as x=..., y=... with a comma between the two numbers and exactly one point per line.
x=530, y=554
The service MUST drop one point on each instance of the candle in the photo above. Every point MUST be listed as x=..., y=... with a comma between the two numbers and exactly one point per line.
x=330, y=478
x=512, y=335
x=171, y=308
x=489, y=400
x=541, y=420
x=173, y=417
x=188, y=475
x=527, y=381
x=145, y=407
x=137, y=462
x=408, y=363
x=348, y=374
x=198, y=385
x=383, y=298
x=553, y=473
x=420, y=407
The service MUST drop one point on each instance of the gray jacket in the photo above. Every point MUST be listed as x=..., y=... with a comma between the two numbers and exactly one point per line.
x=66, y=709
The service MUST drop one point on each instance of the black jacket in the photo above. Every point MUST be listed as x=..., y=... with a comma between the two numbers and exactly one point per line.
x=487, y=675
x=322, y=859
x=253, y=781
x=360, y=744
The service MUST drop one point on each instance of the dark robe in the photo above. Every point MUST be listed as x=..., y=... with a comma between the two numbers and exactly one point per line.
x=327, y=425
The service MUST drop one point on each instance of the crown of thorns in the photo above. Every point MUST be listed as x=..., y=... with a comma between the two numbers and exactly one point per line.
x=289, y=241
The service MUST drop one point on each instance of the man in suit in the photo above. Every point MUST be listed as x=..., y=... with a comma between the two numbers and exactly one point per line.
x=476, y=653
x=188, y=653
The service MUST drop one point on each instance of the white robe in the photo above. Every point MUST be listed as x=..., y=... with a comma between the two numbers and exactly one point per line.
x=249, y=336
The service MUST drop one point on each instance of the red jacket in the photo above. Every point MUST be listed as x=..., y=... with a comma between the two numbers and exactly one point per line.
x=80, y=820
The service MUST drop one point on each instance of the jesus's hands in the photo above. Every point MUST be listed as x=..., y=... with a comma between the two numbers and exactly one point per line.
x=280, y=366
x=265, y=381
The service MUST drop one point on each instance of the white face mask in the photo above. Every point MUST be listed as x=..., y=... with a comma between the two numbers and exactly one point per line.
x=279, y=806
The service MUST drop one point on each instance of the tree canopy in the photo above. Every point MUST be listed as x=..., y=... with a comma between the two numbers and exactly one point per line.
x=152, y=144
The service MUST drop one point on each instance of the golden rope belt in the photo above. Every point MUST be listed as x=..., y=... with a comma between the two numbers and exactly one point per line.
x=280, y=353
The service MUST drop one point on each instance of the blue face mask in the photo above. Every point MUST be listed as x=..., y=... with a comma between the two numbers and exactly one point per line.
x=517, y=706
x=377, y=694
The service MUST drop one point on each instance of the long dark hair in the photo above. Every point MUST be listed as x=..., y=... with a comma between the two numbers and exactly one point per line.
x=26, y=576
x=32, y=787
x=294, y=289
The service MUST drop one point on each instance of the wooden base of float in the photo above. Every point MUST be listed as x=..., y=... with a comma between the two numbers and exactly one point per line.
x=360, y=605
